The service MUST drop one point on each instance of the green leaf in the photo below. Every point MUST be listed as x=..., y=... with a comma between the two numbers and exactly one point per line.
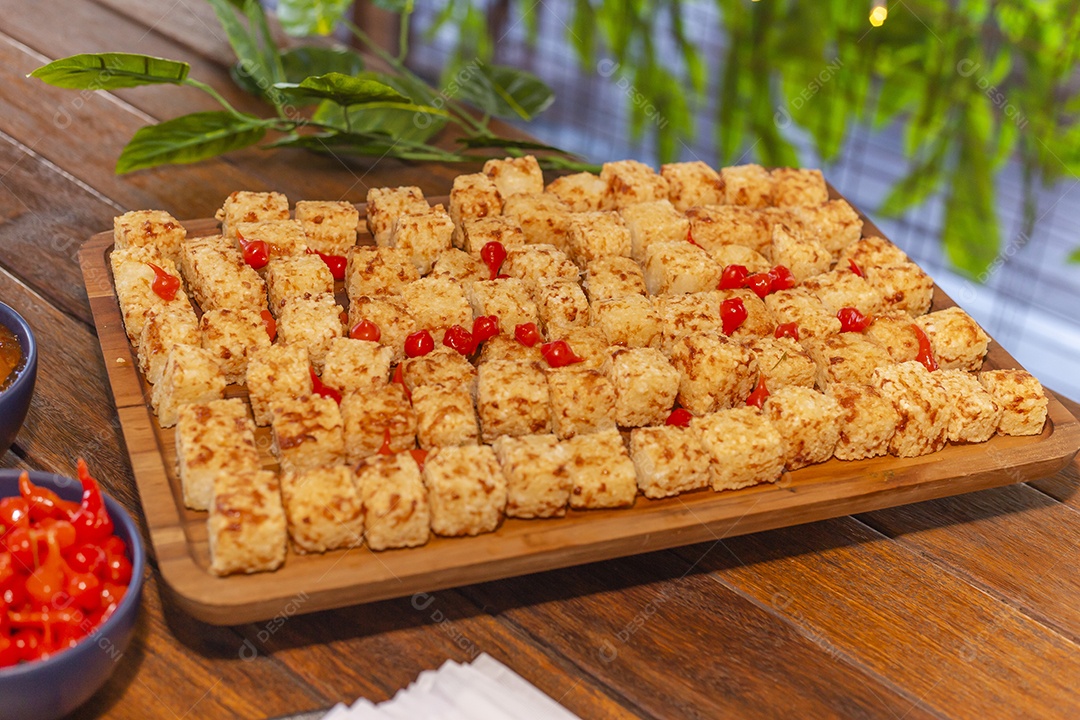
x=493, y=141
x=970, y=230
x=301, y=18
x=256, y=61
x=110, y=71
x=344, y=89
x=375, y=144
x=506, y=92
x=412, y=123
x=397, y=6
x=1074, y=256
x=188, y=139
x=309, y=60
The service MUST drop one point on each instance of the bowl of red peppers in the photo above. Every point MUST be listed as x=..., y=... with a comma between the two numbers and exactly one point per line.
x=71, y=575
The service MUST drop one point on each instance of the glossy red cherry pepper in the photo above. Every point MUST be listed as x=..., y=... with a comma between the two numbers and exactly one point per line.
x=485, y=327
x=732, y=314
x=365, y=330
x=420, y=456
x=399, y=378
x=14, y=512
x=851, y=320
x=92, y=522
x=269, y=323
x=256, y=252
x=855, y=268
x=493, y=254
x=460, y=339
x=336, y=263
x=679, y=417
x=385, y=448
x=42, y=502
x=790, y=330
x=419, y=343
x=559, y=354
x=757, y=398
x=322, y=389
x=782, y=279
x=926, y=350
x=760, y=283
x=165, y=286
x=527, y=334
x=733, y=277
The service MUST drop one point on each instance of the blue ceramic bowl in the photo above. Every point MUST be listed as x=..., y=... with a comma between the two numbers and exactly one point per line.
x=15, y=398
x=49, y=689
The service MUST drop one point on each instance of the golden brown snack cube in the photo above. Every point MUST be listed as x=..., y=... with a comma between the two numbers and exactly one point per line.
x=274, y=374
x=172, y=324
x=211, y=437
x=445, y=416
x=436, y=303
x=561, y=305
x=613, y=277
x=231, y=335
x=796, y=187
x=718, y=225
x=282, y=237
x=668, y=460
x=191, y=375
x=922, y=406
x=957, y=340
x=630, y=182
x=537, y=263
x=507, y=299
x=423, y=237
x=370, y=417
x=752, y=260
x=580, y=192
x=443, y=365
x=154, y=228
x=653, y=222
x=244, y=206
x=681, y=315
x=714, y=372
x=673, y=268
x=629, y=321
x=466, y=490
x=782, y=361
x=537, y=481
x=385, y=205
x=545, y=219
x=514, y=176
x=1021, y=398
x=750, y=185
x=809, y=422
x=692, y=184
x=646, y=385
x=390, y=315
x=744, y=447
x=974, y=416
x=871, y=252
x=903, y=287
x=356, y=365
x=759, y=321
x=218, y=277
x=296, y=276
x=797, y=305
x=596, y=235
x=804, y=257
x=588, y=343
x=846, y=357
x=458, y=266
x=867, y=421
x=133, y=279
x=246, y=528
x=897, y=332
x=472, y=197
x=834, y=224
x=312, y=323
x=582, y=401
x=601, y=472
x=323, y=509
x=308, y=433
x=396, y=510
x=839, y=289
x=503, y=229
x=512, y=399
x=378, y=271
x=330, y=226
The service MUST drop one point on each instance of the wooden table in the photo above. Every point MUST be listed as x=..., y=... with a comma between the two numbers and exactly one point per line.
x=964, y=607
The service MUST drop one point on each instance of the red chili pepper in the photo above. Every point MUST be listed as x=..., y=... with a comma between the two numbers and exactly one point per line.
x=527, y=334
x=256, y=252
x=419, y=343
x=926, y=350
x=420, y=456
x=690, y=236
x=165, y=286
x=855, y=268
x=322, y=389
x=28, y=643
x=336, y=263
x=460, y=339
x=760, y=283
x=399, y=377
x=23, y=548
x=64, y=530
x=493, y=254
x=385, y=449
x=87, y=558
x=92, y=522
x=782, y=279
x=47, y=580
x=484, y=328
x=757, y=398
x=9, y=654
x=84, y=589
x=851, y=320
x=733, y=277
x=14, y=512
x=679, y=417
x=365, y=330
x=44, y=503
x=733, y=314
x=790, y=330
x=270, y=324
x=559, y=354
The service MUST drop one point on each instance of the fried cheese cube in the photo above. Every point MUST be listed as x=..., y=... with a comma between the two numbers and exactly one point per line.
x=323, y=510
x=282, y=237
x=718, y=225
x=153, y=228
x=385, y=205
x=172, y=324
x=512, y=399
x=653, y=222
x=423, y=236
x=443, y=366
x=749, y=185
x=681, y=315
x=356, y=365
x=630, y=321
x=903, y=287
x=795, y=187
x=296, y=276
x=211, y=437
x=378, y=271
x=974, y=416
x=438, y=303
x=668, y=460
x=458, y=266
x=897, y=332
x=396, y=510
x=581, y=192
x=537, y=481
x=330, y=226
x=246, y=528
x=275, y=374
x=312, y=323
x=505, y=346
x=804, y=257
x=602, y=475
x=797, y=305
x=539, y=263
x=596, y=235
x=871, y=252
x=231, y=335
x=466, y=490
x=847, y=357
x=759, y=321
x=390, y=315
x=191, y=375
x=922, y=406
x=714, y=372
x=1021, y=398
x=445, y=416
x=867, y=421
x=372, y=416
x=673, y=268
x=133, y=278
x=646, y=386
x=838, y=289
x=544, y=218
x=561, y=304
x=957, y=340
x=472, y=197
x=218, y=277
x=503, y=229
x=692, y=184
x=507, y=299
x=613, y=277
x=308, y=433
x=752, y=260
x=809, y=422
x=514, y=176
x=582, y=401
x=589, y=344
x=744, y=447
x=629, y=182
x=782, y=361
x=244, y=206
x=835, y=224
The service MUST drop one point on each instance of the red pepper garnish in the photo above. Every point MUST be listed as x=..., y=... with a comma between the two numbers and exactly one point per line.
x=420, y=456
x=419, y=343
x=690, y=236
x=527, y=334
x=365, y=330
x=782, y=279
x=733, y=314
x=926, y=350
x=760, y=283
x=493, y=254
x=679, y=417
x=399, y=378
x=47, y=580
x=855, y=268
x=322, y=389
x=559, y=354
x=384, y=449
x=757, y=398
x=92, y=522
x=733, y=277
x=336, y=263
x=851, y=320
x=256, y=252
x=460, y=339
x=790, y=330
x=484, y=328
x=42, y=502
x=14, y=512
x=165, y=286
x=269, y=323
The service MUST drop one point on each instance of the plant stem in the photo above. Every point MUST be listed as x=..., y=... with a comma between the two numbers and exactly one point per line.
x=403, y=33
x=192, y=82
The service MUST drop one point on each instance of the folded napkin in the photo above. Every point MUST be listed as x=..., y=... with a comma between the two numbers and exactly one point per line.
x=482, y=690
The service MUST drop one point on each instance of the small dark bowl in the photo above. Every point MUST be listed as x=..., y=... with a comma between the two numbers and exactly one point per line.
x=50, y=689
x=15, y=398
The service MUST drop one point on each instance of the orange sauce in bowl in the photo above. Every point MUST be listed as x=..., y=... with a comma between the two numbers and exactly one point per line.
x=10, y=355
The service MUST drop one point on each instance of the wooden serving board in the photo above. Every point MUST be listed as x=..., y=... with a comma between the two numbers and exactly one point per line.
x=307, y=583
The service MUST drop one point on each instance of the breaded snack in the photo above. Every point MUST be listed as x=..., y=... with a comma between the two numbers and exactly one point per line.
x=323, y=510
x=808, y=421
x=804, y=257
x=645, y=386
x=582, y=401
x=475, y=234
x=246, y=527
x=630, y=182
x=438, y=303
x=396, y=511
x=191, y=375
x=681, y=315
x=1021, y=398
x=601, y=472
x=867, y=421
x=172, y=324
x=561, y=305
x=692, y=184
x=513, y=176
x=834, y=224
x=668, y=461
x=652, y=222
x=957, y=340
x=847, y=357
x=759, y=321
x=629, y=321
x=782, y=362
x=443, y=366
x=596, y=235
x=838, y=289
x=444, y=416
x=752, y=260
x=472, y=197
x=749, y=185
x=897, y=332
x=797, y=305
x=392, y=317
x=580, y=191
x=673, y=268
x=507, y=299
x=307, y=433
x=922, y=406
x=211, y=437
x=744, y=447
x=714, y=372
x=296, y=276
x=133, y=279
x=244, y=206
x=282, y=237
x=613, y=277
x=718, y=225
x=378, y=271
x=794, y=187
x=275, y=374
x=230, y=335
x=537, y=481
x=545, y=219
x=458, y=266
x=356, y=365
x=466, y=490
x=218, y=277
x=534, y=264
x=154, y=228
x=974, y=416
x=369, y=416
x=588, y=343
x=385, y=205
x=512, y=399
x=313, y=323
x=903, y=287
x=423, y=236
x=330, y=226
x=871, y=252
